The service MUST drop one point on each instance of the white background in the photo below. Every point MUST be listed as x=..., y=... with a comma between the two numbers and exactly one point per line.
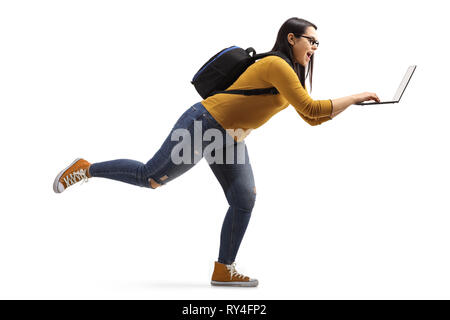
x=355, y=208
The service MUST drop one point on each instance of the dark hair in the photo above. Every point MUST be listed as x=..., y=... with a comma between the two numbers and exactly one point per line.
x=298, y=27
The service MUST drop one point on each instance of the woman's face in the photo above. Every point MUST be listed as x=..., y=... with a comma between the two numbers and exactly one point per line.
x=302, y=48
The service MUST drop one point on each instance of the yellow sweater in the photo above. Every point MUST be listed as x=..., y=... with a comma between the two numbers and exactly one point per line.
x=250, y=112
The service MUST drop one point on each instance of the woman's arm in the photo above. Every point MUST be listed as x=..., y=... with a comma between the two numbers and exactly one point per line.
x=340, y=104
x=283, y=77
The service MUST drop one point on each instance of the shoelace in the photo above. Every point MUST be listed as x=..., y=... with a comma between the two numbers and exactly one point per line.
x=233, y=271
x=76, y=176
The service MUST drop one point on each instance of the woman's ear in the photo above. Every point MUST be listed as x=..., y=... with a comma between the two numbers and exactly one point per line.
x=290, y=37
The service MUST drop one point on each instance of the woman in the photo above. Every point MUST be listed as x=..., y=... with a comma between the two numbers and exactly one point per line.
x=233, y=116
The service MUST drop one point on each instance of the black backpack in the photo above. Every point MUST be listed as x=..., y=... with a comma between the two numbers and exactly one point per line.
x=225, y=67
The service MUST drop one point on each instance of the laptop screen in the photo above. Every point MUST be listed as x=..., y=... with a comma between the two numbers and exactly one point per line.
x=404, y=83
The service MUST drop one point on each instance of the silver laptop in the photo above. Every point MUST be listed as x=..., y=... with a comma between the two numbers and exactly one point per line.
x=400, y=89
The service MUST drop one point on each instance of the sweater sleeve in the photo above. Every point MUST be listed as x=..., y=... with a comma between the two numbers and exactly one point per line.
x=317, y=121
x=283, y=77
x=314, y=122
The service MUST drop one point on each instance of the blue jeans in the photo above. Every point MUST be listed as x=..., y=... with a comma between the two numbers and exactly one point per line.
x=234, y=173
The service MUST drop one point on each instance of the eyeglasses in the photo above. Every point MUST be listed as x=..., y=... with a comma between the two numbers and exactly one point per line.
x=312, y=41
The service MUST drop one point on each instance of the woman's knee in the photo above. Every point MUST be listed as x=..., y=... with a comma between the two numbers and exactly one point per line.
x=144, y=180
x=245, y=199
x=157, y=183
x=150, y=179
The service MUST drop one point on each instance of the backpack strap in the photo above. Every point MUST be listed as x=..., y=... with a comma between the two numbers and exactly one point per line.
x=250, y=49
x=266, y=54
x=250, y=92
x=253, y=92
x=273, y=53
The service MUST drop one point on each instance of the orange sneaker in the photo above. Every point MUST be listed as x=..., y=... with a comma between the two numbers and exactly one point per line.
x=226, y=275
x=77, y=171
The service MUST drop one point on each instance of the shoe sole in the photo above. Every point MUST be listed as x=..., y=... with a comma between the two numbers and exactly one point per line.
x=235, y=283
x=55, y=183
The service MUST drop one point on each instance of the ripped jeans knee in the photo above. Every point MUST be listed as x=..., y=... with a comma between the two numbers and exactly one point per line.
x=153, y=184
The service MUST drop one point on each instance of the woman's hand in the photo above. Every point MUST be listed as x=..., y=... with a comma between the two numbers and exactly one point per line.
x=365, y=96
x=340, y=104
